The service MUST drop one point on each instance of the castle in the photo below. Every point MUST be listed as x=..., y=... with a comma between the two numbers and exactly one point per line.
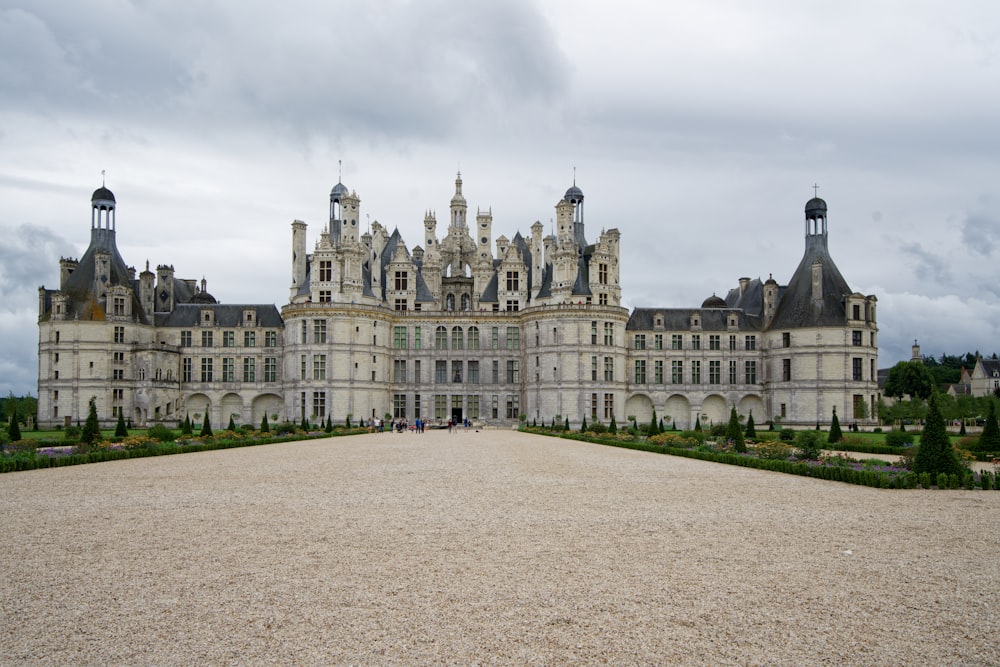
x=467, y=327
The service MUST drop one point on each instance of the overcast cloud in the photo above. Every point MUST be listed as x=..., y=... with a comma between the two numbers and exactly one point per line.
x=697, y=129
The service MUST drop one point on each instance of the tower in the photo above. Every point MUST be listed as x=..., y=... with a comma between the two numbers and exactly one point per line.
x=459, y=208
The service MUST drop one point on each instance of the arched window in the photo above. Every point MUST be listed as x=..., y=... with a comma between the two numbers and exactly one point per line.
x=449, y=302
x=440, y=338
x=473, y=335
x=456, y=338
x=466, y=302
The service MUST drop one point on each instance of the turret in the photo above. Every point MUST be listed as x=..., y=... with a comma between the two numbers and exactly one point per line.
x=298, y=257
x=147, y=290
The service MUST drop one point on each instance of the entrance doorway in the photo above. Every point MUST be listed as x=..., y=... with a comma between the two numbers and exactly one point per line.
x=456, y=415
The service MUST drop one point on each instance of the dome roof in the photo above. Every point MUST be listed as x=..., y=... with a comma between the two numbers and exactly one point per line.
x=815, y=206
x=714, y=302
x=102, y=194
x=203, y=297
x=574, y=195
x=339, y=190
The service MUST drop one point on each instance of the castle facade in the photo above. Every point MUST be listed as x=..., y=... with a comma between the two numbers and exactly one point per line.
x=465, y=327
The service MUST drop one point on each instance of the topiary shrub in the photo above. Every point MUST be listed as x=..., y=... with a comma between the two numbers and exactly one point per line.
x=161, y=433
x=925, y=479
x=898, y=438
x=942, y=480
x=809, y=444
x=787, y=435
x=598, y=428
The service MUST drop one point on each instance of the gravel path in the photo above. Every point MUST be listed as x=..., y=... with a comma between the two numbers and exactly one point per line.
x=486, y=548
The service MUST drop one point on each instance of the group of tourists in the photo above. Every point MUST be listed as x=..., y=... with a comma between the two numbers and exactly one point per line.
x=376, y=425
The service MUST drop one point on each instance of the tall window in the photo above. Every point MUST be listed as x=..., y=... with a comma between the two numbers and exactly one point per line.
x=319, y=331
x=609, y=333
x=658, y=371
x=696, y=341
x=399, y=406
x=512, y=281
x=325, y=296
x=786, y=370
x=602, y=274
x=325, y=271
x=496, y=371
x=609, y=406
x=401, y=281
x=186, y=370
x=856, y=338
x=228, y=369
x=732, y=342
x=416, y=338
x=676, y=372
x=400, y=305
x=457, y=338
x=495, y=338
x=399, y=338
x=593, y=406
x=472, y=411
x=658, y=341
x=440, y=406
x=513, y=371
x=513, y=406
x=270, y=339
x=303, y=371
x=786, y=339
x=513, y=338
x=640, y=341
x=714, y=342
x=750, y=372
x=751, y=342
x=206, y=339
x=441, y=338
x=609, y=369
x=640, y=371
x=319, y=367
x=856, y=368
x=206, y=370
x=715, y=372
x=473, y=372
x=695, y=372
x=185, y=338
x=456, y=371
x=593, y=333
x=399, y=370
x=119, y=305
x=319, y=404
x=249, y=369
x=270, y=369
x=440, y=371
x=228, y=339
x=473, y=338
x=676, y=342
x=732, y=372
x=593, y=368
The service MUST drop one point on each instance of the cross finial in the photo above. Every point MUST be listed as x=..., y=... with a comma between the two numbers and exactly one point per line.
x=815, y=189
x=340, y=171
x=102, y=178
x=574, y=176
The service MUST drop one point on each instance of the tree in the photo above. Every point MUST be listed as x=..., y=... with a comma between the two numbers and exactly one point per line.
x=120, y=430
x=654, y=426
x=566, y=425
x=583, y=425
x=232, y=424
x=734, y=433
x=264, y=426
x=91, y=427
x=751, y=429
x=187, y=428
x=613, y=427
x=835, y=433
x=935, y=453
x=909, y=378
x=989, y=439
x=206, y=427
x=329, y=424
x=14, y=429
x=697, y=422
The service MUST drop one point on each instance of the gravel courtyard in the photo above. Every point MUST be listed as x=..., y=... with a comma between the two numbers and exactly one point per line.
x=486, y=548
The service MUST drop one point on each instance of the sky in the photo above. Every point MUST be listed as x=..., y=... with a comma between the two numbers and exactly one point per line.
x=698, y=129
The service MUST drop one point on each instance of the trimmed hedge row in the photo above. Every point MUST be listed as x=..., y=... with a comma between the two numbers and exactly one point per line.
x=21, y=463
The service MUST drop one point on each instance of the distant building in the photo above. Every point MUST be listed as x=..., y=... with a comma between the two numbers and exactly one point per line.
x=467, y=327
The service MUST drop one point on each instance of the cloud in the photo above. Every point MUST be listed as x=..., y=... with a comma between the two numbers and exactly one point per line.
x=980, y=233
x=25, y=258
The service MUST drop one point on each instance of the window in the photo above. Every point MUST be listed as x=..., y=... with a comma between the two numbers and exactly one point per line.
x=473, y=372
x=206, y=339
x=786, y=339
x=696, y=342
x=401, y=281
x=640, y=341
x=440, y=406
x=472, y=410
x=786, y=370
x=399, y=338
x=305, y=334
x=473, y=338
x=228, y=339
x=856, y=311
x=319, y=367
x=513, y=338
x=593, y=369
x=860, y=409
x=456, y=371
x=440, y=338
x=695, y=372
x=750, y=372
x=185, y=338
x=249, y=369
x=399, y=405
x=249, y=339
x=856, y=369
x=609, y=333
x=658, y=341
x=186, y=371
x=609, y=406
x=732, y=372
x=593, y=333
x=750, y=343
x=303, y=372
x=119, y=305
x=319, y=331
x=602, y=299
x=400, y=305
x=856, y=338
x=602, y=274
x=416, y=338
x=496, y=371
x=640, y=371
x=118, y=357
x=325, y=296
x=117, y=374
x=715, y=372
x=416, y=406
x=119, y=335
x=732, y=342
x=325, y=271
x=676, y=342
x=714, y=342
x=784, y=411
x=676, y=372
x=228, y=369
x=513, y=371
x=658, y=371
x=270, y=369
x=512, y=282
x=440, y=371
x=593, y=406
x=319, y=404
x=513, y=406
x=512, y=305
x=457, y=338
x=495, y=338
x=206, y=370
x=609, y=369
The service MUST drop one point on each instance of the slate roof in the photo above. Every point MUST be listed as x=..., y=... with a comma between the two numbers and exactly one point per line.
x=225, y=315
x=797, y=308
x=679, y=319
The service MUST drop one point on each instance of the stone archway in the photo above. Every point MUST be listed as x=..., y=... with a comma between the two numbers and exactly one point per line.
x=752, y=404
x=266, y=404
x=232, y=406
x=197, y=406
x=641, y=407
x=715, y=408
x=678, y=411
